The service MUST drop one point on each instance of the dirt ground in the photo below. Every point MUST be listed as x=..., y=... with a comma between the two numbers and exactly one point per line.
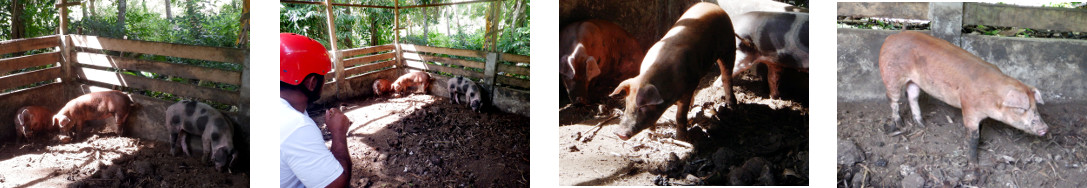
x=758, y=141
x=426, y=141
x=936, y=155
x=106, y=160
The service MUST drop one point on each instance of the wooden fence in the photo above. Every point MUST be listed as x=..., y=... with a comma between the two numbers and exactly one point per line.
x=96, y=63
x=1055, y=66
x=503, y=75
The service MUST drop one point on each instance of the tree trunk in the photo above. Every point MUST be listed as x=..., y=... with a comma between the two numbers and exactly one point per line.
x=91, y=3
x=169, y=14
x=373, y=30
x=516, y=14
x=426, y=26
x=121, y=6
x=17, y=20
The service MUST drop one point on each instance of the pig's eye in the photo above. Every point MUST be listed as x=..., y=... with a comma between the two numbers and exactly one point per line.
x=1019, y=110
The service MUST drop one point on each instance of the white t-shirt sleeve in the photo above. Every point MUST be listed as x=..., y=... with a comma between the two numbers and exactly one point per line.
x=309, y=159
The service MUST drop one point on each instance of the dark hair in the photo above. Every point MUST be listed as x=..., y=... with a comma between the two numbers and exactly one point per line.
x=310, y=95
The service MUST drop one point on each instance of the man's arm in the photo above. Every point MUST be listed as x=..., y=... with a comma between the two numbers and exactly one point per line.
x=337, y=124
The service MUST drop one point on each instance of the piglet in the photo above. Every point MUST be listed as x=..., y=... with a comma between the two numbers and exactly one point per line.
x=190, y=118
x=31, y=120
x=918, y=62
x=94, y=106
x=382, y=86
x=419, y=80
x=460, y=86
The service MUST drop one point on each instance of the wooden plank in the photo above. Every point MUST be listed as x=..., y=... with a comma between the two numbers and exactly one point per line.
x=364, y=76
x=367, y=50
x=515, y=58
x=368, y=67
x=436, y=68
x=440, y=50
x=27, y=78
x=917, y=11
x=513, y=69
x=93, y=75
x=1061, y=19
x=22, y=62
x=27, y=44
x=511, y=81
x=367, y=59
x=219, y=54
x=447, y=4
x=445, y=60
x=174, y=69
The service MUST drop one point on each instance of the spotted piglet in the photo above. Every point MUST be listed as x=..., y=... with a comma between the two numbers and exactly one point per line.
x=186, y=118
x=462, y=86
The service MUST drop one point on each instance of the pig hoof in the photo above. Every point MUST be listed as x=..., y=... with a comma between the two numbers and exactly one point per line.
x=889, y=128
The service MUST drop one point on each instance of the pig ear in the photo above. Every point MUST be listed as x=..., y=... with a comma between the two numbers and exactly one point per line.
x=1038, y=96
x=1017, y=99
x=649, y=95
x=623, y=87
x=591, y=68
x=566, y=68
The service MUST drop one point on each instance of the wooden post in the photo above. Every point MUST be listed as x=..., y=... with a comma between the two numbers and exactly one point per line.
x=67, y=78
x=400, y=64
x=339, y=86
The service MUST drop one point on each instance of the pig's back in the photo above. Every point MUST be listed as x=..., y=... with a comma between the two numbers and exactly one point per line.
x=702, y=34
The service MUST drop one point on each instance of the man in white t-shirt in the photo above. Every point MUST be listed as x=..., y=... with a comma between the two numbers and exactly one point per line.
x=304, y=160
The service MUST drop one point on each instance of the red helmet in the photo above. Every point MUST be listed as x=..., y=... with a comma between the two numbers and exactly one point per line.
x=299, y=56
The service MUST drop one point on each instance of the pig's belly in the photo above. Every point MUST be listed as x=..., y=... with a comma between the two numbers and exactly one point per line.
x=945, y=91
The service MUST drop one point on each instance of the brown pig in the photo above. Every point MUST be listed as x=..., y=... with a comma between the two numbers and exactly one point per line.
x=777, y=39
x=382, y=86
x=31, y=120
x=918, y=62
x=596, y=54
x=673, y=67
x=419, y=80
x=93, y=106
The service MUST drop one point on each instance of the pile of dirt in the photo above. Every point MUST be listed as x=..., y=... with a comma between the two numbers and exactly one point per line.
x=936, y=155
x=759, y=141
x=106, y=160
x=426, y=141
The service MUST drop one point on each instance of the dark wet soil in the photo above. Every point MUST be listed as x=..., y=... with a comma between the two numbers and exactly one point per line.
x=426, y=141
x=759, y=141
x=935, y=155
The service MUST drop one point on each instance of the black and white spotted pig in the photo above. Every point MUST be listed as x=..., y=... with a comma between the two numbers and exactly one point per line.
x=187, y=118
x=463, y=86
x=777, y=39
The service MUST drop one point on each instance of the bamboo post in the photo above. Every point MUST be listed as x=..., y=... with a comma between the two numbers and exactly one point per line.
x=400, y=64
x=338, y=86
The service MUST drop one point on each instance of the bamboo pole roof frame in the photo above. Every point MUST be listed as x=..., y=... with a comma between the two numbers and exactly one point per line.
x=386, y=7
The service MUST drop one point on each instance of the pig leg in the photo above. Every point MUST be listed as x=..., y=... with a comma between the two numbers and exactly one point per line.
x=682, y=106
x=894, y=94
x=184, y=139
x=725, y=64
x=773, y=77
x=913, y=92
x=972, y=121
x=207, y=147
x=121, y=116
x=173, y=142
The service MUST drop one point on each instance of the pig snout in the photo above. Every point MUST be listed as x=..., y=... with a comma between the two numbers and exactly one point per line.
x=1039, y=127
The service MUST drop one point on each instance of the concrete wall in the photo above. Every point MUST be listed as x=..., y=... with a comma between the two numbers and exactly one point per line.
x=1057, y=67
x=648, y=20
x=11, y=102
